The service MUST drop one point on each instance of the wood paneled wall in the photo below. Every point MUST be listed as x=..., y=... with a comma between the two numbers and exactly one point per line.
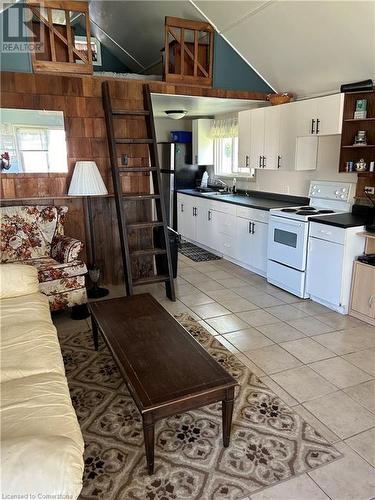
x=80, y=100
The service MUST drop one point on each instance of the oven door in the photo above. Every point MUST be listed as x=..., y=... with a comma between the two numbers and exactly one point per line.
x=287, y=242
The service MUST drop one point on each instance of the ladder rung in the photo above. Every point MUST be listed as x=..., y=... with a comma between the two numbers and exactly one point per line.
x=140, y=197
x=138, y=112
x=134, y=141
x=152, y=279
x=144, y=225
x=151, y=251
x=125, y=170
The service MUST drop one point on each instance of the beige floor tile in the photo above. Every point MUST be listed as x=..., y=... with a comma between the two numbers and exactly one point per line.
x=317, y=424
x=210, y=310
x=364, y=394
x=280, y=332
x=257, y=317
x=208, y=285
x=247, y=292
x=253, y=367
x=298, y=488
x=238, y=305
x=347, y=341
x=363, y=359
x=196, y=299
x=340, y=321
x=273, y=359
x=208, y=327
x=340, y=372
x=303, y=383
x=247, y=340
x=177, y=308
x=286, y=297
x=227, y=324
x=310, y=326
x=219, y=274
x=223, y=294
x=286, y=312
x=364, y=445
x=266, y=300
x=341, y=414
x=349, y=478
x=231, y=282
x=205, y=267
x=185, y=289
x=283, y=395
x=312, y=308
x=307, y=350
x=230, y=347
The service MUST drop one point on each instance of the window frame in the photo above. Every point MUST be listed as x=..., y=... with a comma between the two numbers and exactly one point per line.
x=218, y=156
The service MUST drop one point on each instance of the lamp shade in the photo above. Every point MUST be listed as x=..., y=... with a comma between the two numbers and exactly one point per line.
x=86, y=180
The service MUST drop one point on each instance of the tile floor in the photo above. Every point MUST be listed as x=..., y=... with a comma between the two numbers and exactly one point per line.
x=318, y=361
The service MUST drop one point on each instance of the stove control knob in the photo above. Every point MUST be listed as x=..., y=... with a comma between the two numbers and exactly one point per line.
x=343, y=190
x=336, y=192
x=318, y=190
x=342, y=196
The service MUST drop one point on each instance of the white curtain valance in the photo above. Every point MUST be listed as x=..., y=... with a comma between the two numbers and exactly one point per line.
x=227, y=127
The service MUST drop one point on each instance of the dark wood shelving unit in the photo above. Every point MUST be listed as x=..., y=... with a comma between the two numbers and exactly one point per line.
x=350, y=126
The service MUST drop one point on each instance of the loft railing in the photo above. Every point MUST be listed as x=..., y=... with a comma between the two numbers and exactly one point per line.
x=188, y=51
x=51, y=24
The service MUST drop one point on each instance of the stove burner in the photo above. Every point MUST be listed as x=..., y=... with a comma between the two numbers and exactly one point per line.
x=326, y=211
x=291, y=210
x=307, y=208
x=307, y=212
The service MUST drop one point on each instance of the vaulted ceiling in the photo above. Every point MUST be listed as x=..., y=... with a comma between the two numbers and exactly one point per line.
x=303, y=46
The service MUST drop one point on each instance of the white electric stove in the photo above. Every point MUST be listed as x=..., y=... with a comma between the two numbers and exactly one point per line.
x=289, y=231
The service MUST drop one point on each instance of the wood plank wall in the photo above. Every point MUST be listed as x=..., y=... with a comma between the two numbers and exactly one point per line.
x=79, y=97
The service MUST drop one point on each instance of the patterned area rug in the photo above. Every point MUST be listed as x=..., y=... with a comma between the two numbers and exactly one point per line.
x=269, y=442
x=196, y=253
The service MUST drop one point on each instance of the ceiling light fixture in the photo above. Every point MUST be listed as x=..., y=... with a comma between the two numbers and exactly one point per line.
x=175, y=114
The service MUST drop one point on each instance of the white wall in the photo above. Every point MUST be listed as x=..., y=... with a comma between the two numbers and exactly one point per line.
x=163, y=127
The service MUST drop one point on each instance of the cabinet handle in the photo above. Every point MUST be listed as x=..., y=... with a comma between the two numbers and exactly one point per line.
x=264, y=162
x=196, y=159
x=313, y=126
x=253, y=231
x=278, y=161
x=249, y=227
x=182, y=207
x=194, y=211
x=209, y=215
x=247, y=161
x=260, y=162
x=317, y=126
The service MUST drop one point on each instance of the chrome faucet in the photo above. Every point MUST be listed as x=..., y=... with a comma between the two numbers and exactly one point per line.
x=222, y=183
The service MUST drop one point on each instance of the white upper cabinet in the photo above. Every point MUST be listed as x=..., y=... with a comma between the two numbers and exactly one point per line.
x=287, y=138
x=244, y=138
x=257, y=138
x=203, y=145
x=320, y=116
x=271, y=137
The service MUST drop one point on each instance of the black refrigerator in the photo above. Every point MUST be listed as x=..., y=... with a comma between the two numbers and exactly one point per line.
x=177, y=172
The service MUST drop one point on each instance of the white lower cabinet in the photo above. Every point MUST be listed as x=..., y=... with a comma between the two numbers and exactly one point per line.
x=238, y=233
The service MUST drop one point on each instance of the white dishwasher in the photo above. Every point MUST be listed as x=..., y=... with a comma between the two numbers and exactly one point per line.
x=331, y=253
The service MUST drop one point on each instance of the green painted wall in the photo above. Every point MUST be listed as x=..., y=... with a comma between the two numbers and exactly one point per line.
x=231, y=72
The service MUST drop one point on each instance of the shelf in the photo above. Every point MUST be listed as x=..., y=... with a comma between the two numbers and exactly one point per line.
x=359, y=147
x=351, y=120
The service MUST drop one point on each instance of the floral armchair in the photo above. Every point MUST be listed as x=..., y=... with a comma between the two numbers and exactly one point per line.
x=34, y=235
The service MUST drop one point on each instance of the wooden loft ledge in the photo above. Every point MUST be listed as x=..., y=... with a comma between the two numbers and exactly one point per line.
x=188, y=51
x=51, y=23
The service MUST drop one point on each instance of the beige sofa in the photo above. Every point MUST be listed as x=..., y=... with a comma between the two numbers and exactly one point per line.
x=41, y=441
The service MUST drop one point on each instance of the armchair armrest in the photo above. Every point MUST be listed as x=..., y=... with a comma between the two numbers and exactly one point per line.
x=65, y=249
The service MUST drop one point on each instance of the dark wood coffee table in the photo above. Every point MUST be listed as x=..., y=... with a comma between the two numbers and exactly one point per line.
x=166, y=370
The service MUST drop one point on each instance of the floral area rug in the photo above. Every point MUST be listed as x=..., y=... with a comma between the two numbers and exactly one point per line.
x=269, y=441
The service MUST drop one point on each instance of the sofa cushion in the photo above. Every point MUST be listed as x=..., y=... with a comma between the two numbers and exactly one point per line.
x=17, y=280
x=27, y=231
x=37, y=338
x=49, y=269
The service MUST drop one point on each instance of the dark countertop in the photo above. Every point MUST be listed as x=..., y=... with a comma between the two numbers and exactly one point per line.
x=255, y=199
x=344, y=220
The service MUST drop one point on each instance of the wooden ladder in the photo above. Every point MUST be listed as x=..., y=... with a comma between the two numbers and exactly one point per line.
x=162, y=266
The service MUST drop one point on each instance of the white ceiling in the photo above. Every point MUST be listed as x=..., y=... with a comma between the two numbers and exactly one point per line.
x=308, y=47
x=198, y=106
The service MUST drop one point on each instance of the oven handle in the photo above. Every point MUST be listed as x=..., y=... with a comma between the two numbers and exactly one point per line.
x=285, y=222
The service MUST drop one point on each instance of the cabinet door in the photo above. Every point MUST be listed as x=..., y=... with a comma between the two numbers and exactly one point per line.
x=271, y=137
x=201, y=219
x=324, y=270
x=306, y=153
x=185, y=217
x=329, y=114
x=257, y=138
x=259, y=246
x=305, y=116
x=203, y=146
x=363, y=294
x=244, y=138
x=243, y=242
x=287, y=138
x=212, y=236
x=227, y=233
